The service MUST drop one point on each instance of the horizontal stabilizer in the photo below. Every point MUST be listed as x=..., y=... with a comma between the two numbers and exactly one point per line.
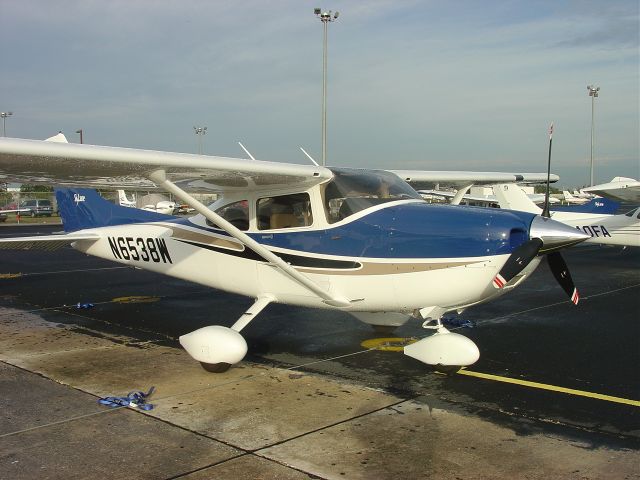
x=44, y=242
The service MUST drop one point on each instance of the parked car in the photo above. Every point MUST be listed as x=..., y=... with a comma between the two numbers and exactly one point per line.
x=36, y=208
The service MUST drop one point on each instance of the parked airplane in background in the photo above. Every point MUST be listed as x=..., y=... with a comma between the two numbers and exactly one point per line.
x=124, y=201
x=358, y=240
x=572, y=200
x=604, y=229
x=165, y=207
x=622, y=189
x=480, y=200
x=582, y=194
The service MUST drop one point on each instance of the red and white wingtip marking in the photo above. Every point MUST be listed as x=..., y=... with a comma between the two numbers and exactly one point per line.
x=575, y=297
x=499, y=281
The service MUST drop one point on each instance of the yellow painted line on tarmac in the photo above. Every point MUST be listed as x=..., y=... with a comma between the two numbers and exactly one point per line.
x=10, y=275
x=136, y=299
x=553, y=388
x=397, y=344
x=392, y=344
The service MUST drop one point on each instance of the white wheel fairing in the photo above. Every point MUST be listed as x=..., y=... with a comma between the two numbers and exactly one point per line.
x=449, y=349
x=215, y=344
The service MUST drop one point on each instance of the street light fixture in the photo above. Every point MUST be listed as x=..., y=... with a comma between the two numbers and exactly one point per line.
x=325, y=18
x=200, y=132
x=4, y=116
x=80, y=132
x=593, y=93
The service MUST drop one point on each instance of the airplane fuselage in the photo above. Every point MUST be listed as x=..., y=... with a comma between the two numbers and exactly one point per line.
x=605, y=229
x=399, y=256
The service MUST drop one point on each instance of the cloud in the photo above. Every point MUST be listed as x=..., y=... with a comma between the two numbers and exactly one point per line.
x=457, y=85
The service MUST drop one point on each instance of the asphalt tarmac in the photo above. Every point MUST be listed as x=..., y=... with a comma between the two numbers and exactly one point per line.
x=575, y=368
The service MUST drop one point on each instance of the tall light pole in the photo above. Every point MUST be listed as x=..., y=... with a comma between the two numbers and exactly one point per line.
x=4, y=116
x=593, y=93
x=325, y=18
x=80, y=132
x=200, y=132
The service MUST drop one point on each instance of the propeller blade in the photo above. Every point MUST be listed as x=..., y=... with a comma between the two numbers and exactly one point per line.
x=561, y=272
x=519, y=259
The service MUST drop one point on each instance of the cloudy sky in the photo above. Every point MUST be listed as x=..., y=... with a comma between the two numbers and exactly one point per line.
x=425, y=84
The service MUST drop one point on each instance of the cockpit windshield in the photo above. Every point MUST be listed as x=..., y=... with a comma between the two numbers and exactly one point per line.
x=353, y=190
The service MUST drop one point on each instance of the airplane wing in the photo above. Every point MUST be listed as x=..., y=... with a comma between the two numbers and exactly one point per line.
x=423, y=177
x=620, y=189
x=45, y=242
x=447, y=194
x=72, y=164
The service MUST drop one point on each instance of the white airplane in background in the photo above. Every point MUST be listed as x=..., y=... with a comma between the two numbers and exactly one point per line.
x=165, y=207
x=358, y=240
x=621, y=229
x=484, y=200
x=572, y=200
x=620, y=188
x=124, y=201
x=582, y=194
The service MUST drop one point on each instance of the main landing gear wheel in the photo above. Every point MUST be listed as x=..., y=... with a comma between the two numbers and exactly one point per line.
x=216, y=367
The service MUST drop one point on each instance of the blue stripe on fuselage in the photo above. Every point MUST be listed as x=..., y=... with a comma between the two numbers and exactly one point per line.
x=414, y=230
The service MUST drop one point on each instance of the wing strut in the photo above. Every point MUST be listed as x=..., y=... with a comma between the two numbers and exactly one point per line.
x=160, y=178
x=461, y=193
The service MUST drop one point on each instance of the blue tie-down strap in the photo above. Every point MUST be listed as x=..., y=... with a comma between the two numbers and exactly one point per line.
x=84, y=305
x=133, y=399
x=453, y=322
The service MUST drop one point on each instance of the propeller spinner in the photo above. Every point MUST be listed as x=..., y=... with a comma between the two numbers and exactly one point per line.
x=546, y=238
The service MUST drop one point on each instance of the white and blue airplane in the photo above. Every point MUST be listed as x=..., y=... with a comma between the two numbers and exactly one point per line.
x=602, y=228
x=362, y=241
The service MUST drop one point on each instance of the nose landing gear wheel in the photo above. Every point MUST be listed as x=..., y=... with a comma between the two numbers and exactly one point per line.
x=216, y=367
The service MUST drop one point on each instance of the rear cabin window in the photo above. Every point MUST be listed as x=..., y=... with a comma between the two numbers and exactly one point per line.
x=353, y=190
x=236, y=213
x=284, y=211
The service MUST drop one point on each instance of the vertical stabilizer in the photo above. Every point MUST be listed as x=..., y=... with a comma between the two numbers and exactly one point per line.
x=82, y=208
x=510, y=196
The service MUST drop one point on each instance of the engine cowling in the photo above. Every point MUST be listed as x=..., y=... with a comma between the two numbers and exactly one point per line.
x=215, y=344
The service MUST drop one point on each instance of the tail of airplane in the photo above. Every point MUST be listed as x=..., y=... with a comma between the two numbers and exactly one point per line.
x=124, y=201
x=567, y=196
x=82, y=208
x=511, y=196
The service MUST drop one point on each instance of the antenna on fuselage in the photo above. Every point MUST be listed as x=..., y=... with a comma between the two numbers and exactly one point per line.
x=545, y=210
x=246, y=151
x=309, y=157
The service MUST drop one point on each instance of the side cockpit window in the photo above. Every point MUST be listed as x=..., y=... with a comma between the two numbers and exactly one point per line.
x=284, y=211
x=236, y=213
